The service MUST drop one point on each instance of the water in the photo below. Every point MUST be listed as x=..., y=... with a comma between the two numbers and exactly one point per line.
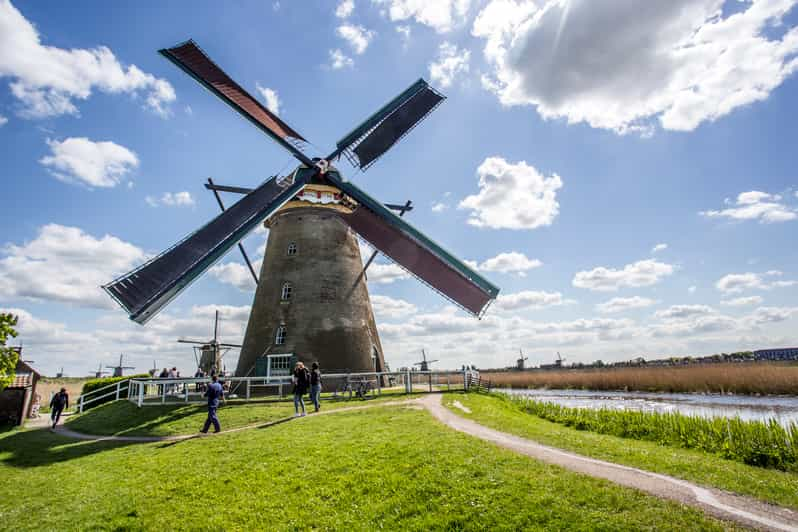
x=782, y=408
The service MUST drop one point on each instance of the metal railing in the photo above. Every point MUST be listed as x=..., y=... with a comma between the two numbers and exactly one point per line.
x=118, y=390
x=156, y=391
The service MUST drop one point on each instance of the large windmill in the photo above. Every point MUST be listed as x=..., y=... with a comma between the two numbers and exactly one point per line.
x=211, y=351
x=311, y=300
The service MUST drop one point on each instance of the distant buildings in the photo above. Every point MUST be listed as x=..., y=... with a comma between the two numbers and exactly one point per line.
x=781, y=353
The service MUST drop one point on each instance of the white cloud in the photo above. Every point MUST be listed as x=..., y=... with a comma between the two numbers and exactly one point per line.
x=47, y=80
x=512, y=262
x=735, y=283
x=683, y=311
x=702, y=324
x=439, y=206
x=617, y=66
x=441, y=15
x=235, y=274
x=345, y=8
x=95, y=164
x=620, y=304
x=764, y=315
x=528, y=299
x=171, y=199
x=358, y=37
x=339, y=60
x=271, y=98
x=640, y=273
x=389, y=308
x=451, y=63
x=3, y=120
x=742, y=301
x=512, y=196
x=379, y=273
x=67, y=265
x=659, y=247
x=404, y=32
x=756, y=205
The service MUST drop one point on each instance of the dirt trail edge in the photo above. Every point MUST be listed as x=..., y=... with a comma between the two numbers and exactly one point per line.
x=723, y=505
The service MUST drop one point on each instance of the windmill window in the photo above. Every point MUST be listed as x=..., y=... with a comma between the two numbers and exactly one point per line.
x=279, y=338
x=285, y=294
x=292, y=248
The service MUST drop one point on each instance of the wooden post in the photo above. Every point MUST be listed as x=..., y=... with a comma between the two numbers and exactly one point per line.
x=141, y=394
x=80, y=405
x=118, y=384
x=430, y=381
x=379, y=384
x=163, y=395
x=248, y=382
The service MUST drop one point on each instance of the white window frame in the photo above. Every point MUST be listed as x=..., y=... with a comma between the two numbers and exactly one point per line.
x=269, y=363
x=279, y=339
x=287, y=291
x=293, y=249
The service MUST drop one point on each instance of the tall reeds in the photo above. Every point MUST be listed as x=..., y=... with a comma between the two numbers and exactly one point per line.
x=739, y=378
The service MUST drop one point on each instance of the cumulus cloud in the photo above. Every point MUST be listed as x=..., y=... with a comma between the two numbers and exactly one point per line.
x=404, y=32
x=764, y=315
x=271, y=98
x=65, y=264
x=641, y=273
x=742, y=301
x=439, y=206
x=345, y=8
x=512, y=196
x=512, y=262
x=441, y=15
x=171, y=199
x=379, y=273
x=755, y=205
x=358, y=37
x=451, y=63
x=683, y=311
x=734, y=283
x=620, y=304
x=659, y=247
x=339, y=60
x=617, y=65
x=3, y=120
x=235, y=274
x=47, y=80
x=528, y=299
x=389, y=308
x=702, y=324
x=78, y=160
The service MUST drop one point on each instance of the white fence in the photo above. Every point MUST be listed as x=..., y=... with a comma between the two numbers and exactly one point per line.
x=144, y=392
x=119, y=389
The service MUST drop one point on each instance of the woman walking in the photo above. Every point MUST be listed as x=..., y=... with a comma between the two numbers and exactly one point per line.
x=315, y=385
x=301, y=379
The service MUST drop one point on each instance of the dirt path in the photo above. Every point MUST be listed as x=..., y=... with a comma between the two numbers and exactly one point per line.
x=723, y=505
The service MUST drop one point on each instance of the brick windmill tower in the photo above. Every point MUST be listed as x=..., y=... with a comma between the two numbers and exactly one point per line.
x=311, y=301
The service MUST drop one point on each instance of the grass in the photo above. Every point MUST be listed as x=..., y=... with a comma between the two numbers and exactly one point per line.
x=754, y=378
x=383, y=468
x=777, y=487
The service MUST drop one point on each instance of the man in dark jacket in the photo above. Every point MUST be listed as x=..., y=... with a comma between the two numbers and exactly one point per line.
x=58, y=403
x=301, y=379
x=214, y=393
x=315, y=385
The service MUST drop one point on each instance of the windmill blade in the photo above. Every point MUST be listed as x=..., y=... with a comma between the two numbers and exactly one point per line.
x=415, y=252
x=367, y=142
x=196, y=63
x=147, y=289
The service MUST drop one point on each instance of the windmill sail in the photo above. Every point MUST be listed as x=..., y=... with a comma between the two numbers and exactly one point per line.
x=386, y=127
x=147, y=289
x=190, y=57
x=415, y=252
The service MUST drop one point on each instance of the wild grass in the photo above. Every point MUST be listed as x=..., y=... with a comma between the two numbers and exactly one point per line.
x=499, y=412
x=389, y=468
x=757, y=443
x=740, y=378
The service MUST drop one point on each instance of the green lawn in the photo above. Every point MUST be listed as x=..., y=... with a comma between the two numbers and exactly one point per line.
x=388, y=467
x=769, y=485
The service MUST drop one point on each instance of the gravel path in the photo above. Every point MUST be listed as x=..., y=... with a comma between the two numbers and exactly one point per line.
x=723, y=505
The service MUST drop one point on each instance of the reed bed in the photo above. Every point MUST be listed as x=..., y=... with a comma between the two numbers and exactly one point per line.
x=739, y=378
x=763, y=444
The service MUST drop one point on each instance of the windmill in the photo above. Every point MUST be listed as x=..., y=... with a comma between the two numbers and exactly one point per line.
x=100, y=371
x=424, y=364
x=520, y=364
x=311, y=299
x=559, y=360
x=119, y=370
x=211, y=351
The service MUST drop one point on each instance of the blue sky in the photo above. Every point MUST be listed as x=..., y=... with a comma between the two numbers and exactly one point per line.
x=577, y=136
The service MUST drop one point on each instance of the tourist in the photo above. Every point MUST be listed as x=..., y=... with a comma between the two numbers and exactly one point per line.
x=214, y=393
x=199, y=375
x=301, y=380
x=315, y=385
x=36, y=406
x=58, y=403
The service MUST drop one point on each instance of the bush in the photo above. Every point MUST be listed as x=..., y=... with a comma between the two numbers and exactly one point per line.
x=96, y=384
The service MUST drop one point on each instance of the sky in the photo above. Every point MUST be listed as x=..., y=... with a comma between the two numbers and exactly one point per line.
x=624, y=172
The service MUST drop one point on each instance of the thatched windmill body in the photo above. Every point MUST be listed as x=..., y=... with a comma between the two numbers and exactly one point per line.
x=311, y=300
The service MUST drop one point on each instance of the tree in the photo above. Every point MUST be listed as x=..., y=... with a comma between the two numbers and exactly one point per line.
x=8, y=356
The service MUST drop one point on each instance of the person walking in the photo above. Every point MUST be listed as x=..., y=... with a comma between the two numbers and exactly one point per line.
x=58, y=403
x=214, y=393
x=315, y=385
x=301, y=379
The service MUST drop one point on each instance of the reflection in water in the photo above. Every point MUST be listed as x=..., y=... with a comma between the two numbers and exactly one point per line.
x=782, y=408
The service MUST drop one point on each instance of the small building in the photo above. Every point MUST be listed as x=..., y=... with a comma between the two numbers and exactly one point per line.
x=782, y=353
x=16, y=399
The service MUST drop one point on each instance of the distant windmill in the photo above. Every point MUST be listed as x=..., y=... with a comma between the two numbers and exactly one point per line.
x=520, y=364
x=119, y=370
x=60, y=374
x=100, y=371
x=154, y=369
x=559, y=360
x=211, y=351
x=424, y=362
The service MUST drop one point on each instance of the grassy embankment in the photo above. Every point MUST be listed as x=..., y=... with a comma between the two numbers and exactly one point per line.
x=385, y=467
x=749, y=378
x=501, y=413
